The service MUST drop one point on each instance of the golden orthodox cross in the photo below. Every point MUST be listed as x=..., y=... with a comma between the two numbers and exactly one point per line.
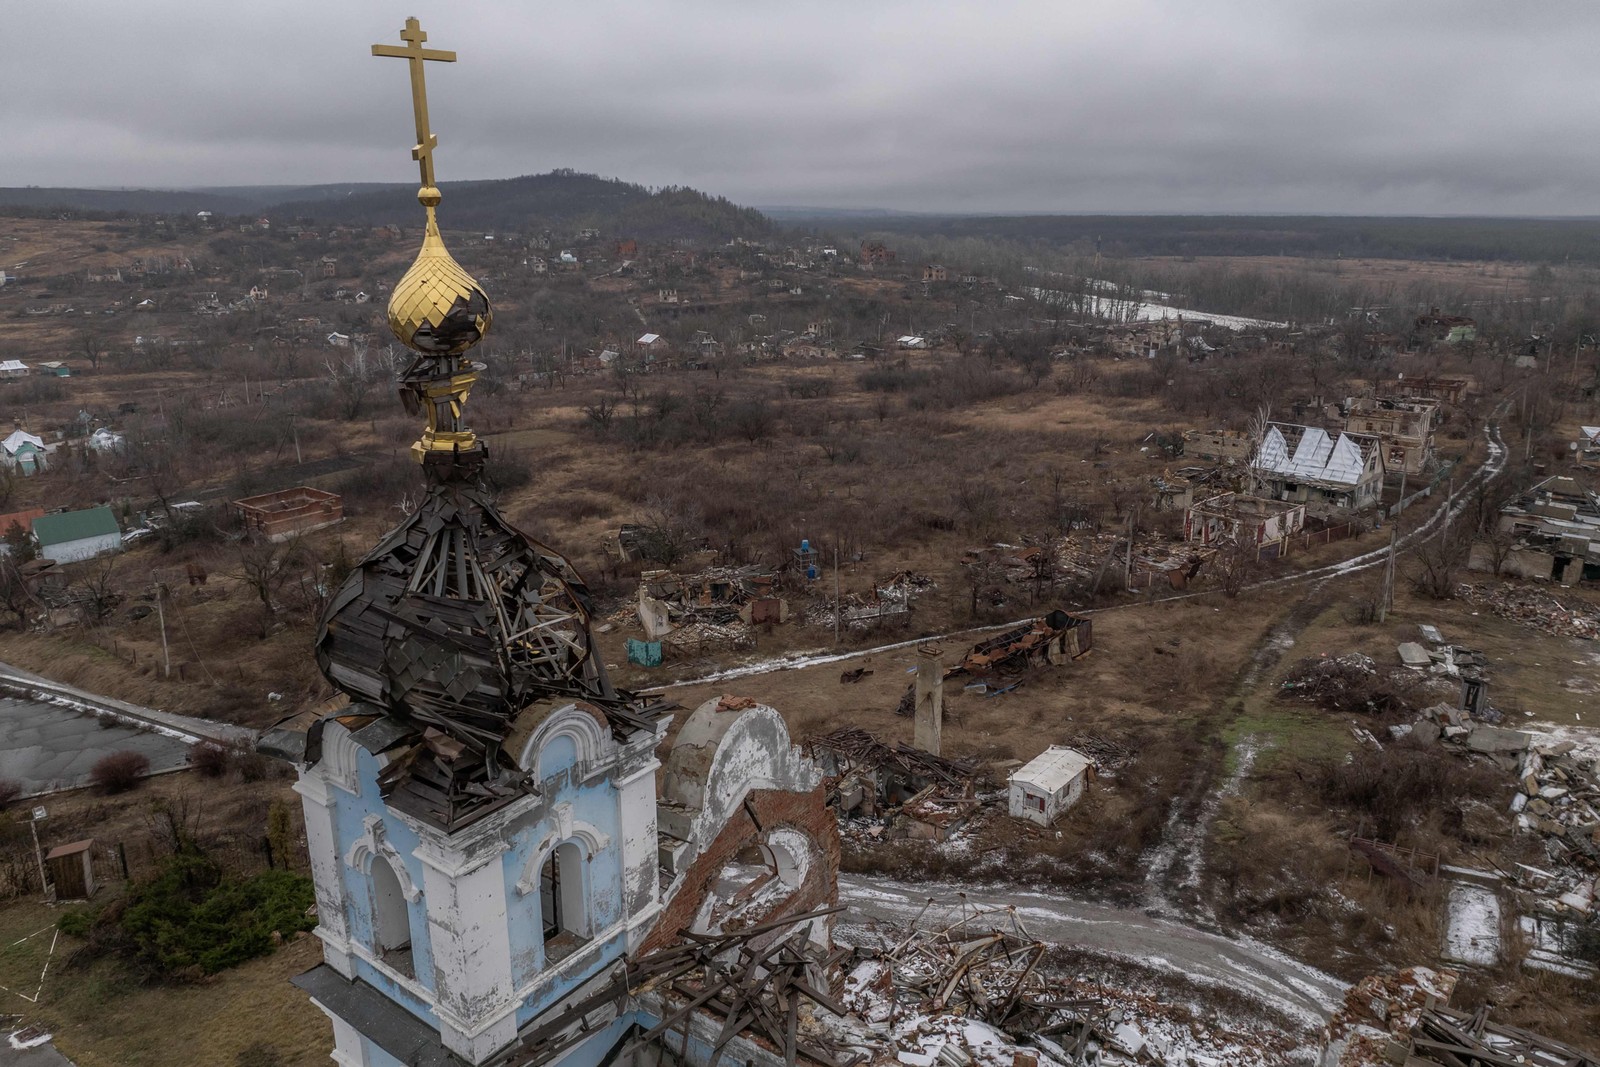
x=413, y=35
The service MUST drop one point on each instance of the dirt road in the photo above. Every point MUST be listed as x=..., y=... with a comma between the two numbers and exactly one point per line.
x=1279, y=982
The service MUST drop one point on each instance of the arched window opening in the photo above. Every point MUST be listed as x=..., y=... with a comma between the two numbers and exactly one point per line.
x=563, y=910
x=391, y=919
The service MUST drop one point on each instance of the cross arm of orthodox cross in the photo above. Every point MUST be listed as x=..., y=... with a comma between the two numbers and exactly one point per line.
x=413, y=51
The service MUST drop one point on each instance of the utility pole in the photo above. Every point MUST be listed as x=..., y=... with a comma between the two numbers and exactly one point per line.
x=1386, y=598
x=1128, y=578
x=38, y=853
x=294, y=430
x=838, y=605
x=1444, y=518
x=161, y=614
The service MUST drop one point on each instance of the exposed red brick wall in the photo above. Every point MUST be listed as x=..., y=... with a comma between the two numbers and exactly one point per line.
x=774, y=809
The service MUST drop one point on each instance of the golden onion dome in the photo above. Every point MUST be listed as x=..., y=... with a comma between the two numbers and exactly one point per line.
x=437, y=308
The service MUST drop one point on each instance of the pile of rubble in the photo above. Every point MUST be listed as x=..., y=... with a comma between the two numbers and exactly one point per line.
x=982, y=991
x=902, y=790
x=891, y=596
x=1405, y=1018
x=1534, y=607
x=1354, y=682
x=1379, y=1012
x=1558, y=799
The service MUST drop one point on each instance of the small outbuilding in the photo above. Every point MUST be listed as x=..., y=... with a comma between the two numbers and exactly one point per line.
x=71, y=870
x=1050, y=784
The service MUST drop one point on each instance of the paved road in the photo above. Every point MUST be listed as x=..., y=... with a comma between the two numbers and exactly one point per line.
x=39, y=1056
x=1273, y=978
x=19, y=683
x=48, y=748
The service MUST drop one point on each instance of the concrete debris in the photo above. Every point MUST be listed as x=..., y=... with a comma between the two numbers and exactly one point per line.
x=1533, y=607
x=1414, y=656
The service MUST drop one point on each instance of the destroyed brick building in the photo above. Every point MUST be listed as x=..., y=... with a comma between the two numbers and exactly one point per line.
x=1219, y=446
x=289, y=513
x=1405, y=425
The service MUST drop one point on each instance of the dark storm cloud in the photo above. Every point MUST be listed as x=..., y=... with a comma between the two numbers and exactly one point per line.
x=1430, y=107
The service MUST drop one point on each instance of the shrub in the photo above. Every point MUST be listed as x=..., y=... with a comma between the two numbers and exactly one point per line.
x=9, y=792
x=76, y=923
x=1394, y=789
x=191, y=920
x=120, y=771
x=210, y=759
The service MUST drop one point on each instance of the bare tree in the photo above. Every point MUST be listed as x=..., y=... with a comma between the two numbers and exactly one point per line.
x=265, y=566
x=1436, y=562
x=97, y=597
x=352, y=380
x=15, y=597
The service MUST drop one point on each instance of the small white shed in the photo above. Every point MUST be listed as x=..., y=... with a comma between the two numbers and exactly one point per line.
x=1050, y=784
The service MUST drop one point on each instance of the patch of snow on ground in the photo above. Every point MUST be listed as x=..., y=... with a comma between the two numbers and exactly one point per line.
x=1472, y=926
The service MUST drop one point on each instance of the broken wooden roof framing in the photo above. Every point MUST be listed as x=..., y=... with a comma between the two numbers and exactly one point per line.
x=1468, y=1039
x=856, y=748
x=449, y=630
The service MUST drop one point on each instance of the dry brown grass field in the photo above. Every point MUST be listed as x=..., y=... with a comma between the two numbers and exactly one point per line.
x=903, y=464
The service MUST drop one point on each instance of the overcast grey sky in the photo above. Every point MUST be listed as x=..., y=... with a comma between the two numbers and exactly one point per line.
x=1057, y=105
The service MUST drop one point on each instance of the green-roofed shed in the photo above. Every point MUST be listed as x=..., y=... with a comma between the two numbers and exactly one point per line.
x=68, y=536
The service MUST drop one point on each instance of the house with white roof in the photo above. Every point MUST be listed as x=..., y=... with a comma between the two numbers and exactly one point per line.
x=1330, y=475
x=1049, y=784
x=651, y=347
x=25, y=452
x=1587, y=446
x=13, y=368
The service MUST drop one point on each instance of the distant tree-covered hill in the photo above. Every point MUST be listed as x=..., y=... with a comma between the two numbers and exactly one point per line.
x=561, y=200
x=36, y=199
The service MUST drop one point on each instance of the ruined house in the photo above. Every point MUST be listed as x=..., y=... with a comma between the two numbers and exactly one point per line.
x=1332, y=476
x=1552, y=531
x=1235, y=519
x=1432, y=387
x=1218, y=446
x=1405, y=425
x=921, y=795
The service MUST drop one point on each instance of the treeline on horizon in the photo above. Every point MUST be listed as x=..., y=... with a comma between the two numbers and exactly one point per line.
x=561, y=198
x=1524, y=240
